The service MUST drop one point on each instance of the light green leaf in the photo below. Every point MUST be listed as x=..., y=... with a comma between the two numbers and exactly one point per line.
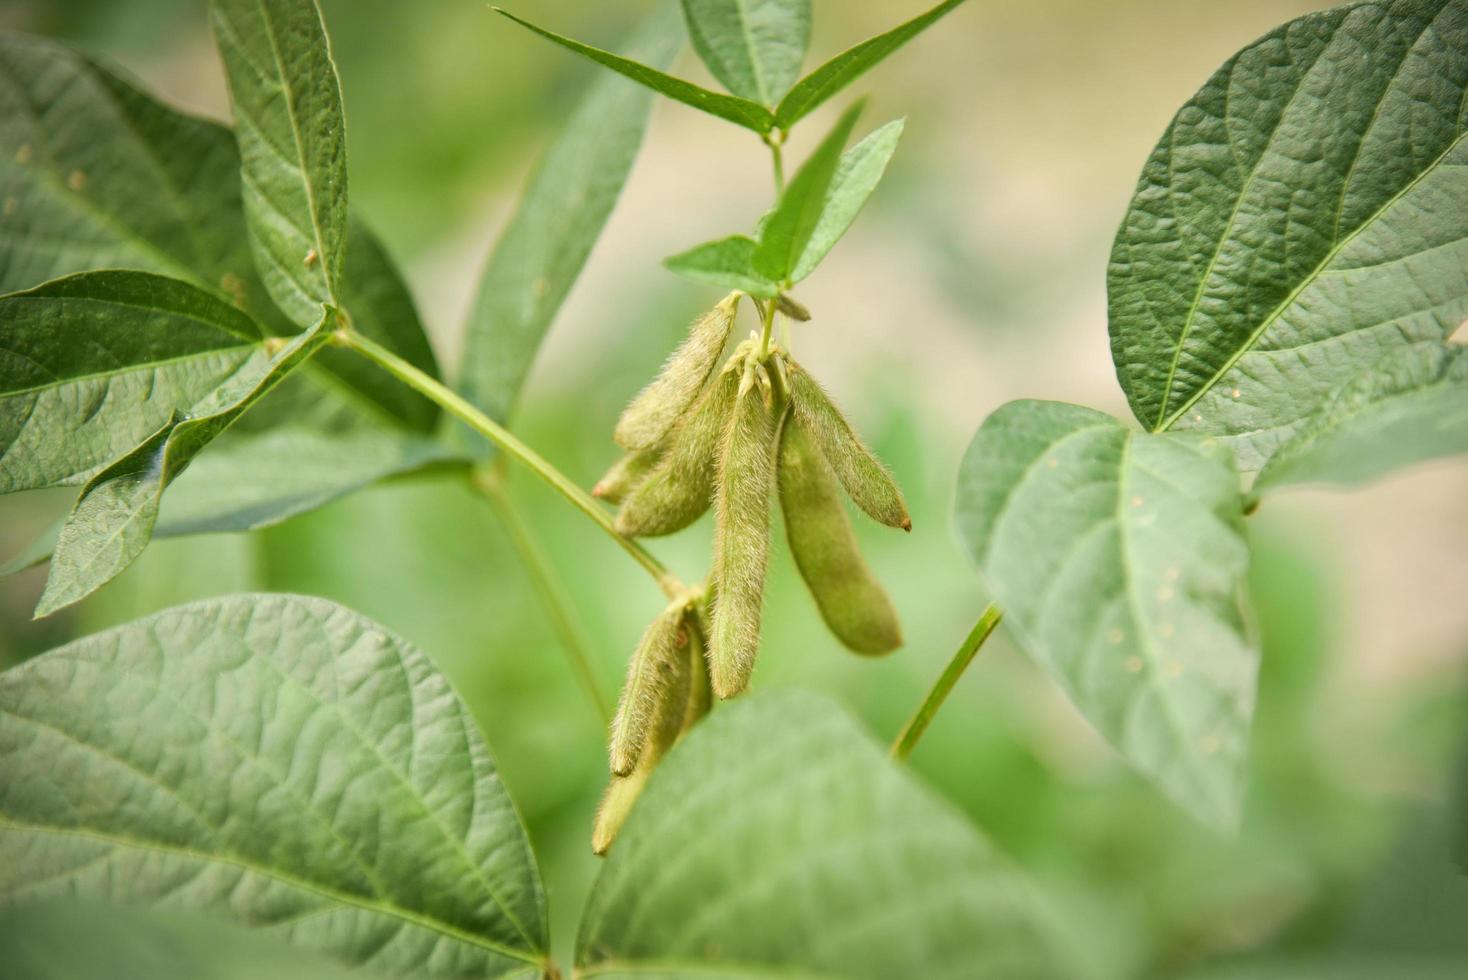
x=1305, y=214
x=851, y=64
x=288, y=117
x=94, y=363
x=742, y=112
x=1409, y=407
x=786, y=231
x=1119, y=559
x=857, y=175
x=728, y=262
x=261, y=479
x=43, y=942
x=95, y=173
x=754, y=47
x=564, y=208
x=252, y=480
x=778, y=840
x=276, y=761
x=113, y=519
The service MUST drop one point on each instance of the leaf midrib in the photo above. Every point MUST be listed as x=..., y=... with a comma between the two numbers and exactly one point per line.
x=64, y=381
x=1305, y=283
x=323, y=254
x=389, y=909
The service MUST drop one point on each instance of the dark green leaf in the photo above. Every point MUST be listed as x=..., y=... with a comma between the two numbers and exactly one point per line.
x=276, y=761
x=1305, y=214
x=288, y=117
x=754, y=47
x=728, y=262
x=1119, y=559
x=94, y=363
x=778, y=840
x=750, y=115
x=113, y=519
x=43, y=942
x=1410, y=406
x=94, y=173
x=565, y=207
x=850, y=65
x=857, y=175
x=785, y=232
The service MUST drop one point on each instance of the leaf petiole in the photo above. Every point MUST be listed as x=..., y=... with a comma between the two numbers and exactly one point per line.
x=918, y=723
x=456, y=405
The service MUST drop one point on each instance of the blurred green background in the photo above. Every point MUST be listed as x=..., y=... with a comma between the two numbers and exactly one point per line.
x=975, y=276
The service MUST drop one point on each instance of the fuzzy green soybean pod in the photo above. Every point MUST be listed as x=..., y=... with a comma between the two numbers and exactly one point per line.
x=680, y=488
x=741, y=536
x=865, y=479
x=661, y=658
x=852, y=602
x=628, y=473
x=667, y=722
x=700, y=693
x=654, y=411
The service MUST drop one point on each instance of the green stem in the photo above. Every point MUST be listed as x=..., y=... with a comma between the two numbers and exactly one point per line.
x=769, y=326
x=550, y=589
x=920, y=720
x=777, y=158
x=456, y=405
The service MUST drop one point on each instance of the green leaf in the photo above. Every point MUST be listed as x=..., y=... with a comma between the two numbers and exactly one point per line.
x=94, y=363
x=98, y=174
x=728, y=262
x=381, y=308
x=564, y=208
x=113, y=519
x=41, y=943
x=777, y=839
x=253, y=480
x=742, y=112
x=292, y=139
x=276, y=761
x=261, y=479
x=857, y=175
x=1305, y=214
x=1409, y=407
x=787, y=231
x=1119, y=559
x=851, y=64
x=754, y=47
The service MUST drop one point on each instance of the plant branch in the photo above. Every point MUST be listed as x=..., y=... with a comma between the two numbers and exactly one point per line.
x=552, y=592
x=920, y=720
x=456, y=405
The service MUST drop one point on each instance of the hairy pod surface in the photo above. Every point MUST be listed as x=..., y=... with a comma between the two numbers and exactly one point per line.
x=627, y=473
x=667, y=722
x=865, y=479
x=854, y=605
x=654, y=411
x=742, y=536
x=661, y=656
x=680, y=487
x=700, y=690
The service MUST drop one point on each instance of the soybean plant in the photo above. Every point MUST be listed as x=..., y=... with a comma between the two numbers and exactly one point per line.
x=200, y=334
